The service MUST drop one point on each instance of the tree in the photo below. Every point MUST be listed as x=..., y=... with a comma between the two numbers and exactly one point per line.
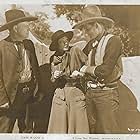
x=124, y=17
x=40, y=27
x=68, y=10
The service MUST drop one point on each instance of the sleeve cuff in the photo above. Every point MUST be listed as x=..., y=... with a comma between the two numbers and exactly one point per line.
x=83, y=69
x=91, y=70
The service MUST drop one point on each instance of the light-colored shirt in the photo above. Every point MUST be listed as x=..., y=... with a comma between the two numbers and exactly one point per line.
x=25, y=74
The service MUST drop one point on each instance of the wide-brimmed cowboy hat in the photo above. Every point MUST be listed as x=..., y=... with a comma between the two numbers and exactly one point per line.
x=93, y=14
x=14, y=17
x=56, y=36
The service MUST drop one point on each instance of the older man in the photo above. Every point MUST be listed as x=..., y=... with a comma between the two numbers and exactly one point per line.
x=103, y=69
x=18, y=70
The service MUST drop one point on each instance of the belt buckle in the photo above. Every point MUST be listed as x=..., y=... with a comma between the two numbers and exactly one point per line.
x=25, y=89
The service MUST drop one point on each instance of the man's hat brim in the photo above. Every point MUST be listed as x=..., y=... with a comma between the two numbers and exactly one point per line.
x=54, y=43
x=106, y=21
x=16, y=21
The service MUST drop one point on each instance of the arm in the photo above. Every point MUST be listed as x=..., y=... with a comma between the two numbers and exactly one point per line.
x=57, y=77
x=3, y=95
x=33, y=59
x=78, y=58
x=28, y=44
x=53, y=62
x=112, y=53
x=52, y=72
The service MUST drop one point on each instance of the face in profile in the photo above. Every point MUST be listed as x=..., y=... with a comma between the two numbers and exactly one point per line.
x=22, y=30
x=90, y=31
x=63, y=44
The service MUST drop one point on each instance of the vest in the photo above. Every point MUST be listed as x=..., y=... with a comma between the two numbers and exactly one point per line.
x=99, y=55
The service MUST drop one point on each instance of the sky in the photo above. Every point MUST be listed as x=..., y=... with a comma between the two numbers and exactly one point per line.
x=54, y=22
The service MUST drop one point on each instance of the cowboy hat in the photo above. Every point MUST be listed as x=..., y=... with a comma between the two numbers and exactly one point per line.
x=56, y=36
x=92, y=14
x=14, y=17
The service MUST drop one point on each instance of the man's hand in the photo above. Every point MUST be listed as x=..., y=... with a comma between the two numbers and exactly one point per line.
x=76, y=74
x=57, y=74
x=6, y=105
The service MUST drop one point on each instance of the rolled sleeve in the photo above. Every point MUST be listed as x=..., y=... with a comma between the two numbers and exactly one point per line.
x=90, y=70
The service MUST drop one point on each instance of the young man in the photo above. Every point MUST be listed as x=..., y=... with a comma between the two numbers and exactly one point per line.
x=68, y=113
x=18, y=70
x=103, y=69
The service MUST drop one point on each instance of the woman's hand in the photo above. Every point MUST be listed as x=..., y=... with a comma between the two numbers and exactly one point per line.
x=57, y=74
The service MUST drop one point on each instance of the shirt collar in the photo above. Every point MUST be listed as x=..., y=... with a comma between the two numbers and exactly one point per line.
x=95, y=41
x=98, y=38
x=61, y=54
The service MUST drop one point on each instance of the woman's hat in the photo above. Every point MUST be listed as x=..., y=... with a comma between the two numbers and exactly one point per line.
x=56, y=36
x=14, y=17
x=92, y=14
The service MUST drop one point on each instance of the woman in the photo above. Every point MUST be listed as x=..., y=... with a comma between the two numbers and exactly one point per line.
x=68, y=113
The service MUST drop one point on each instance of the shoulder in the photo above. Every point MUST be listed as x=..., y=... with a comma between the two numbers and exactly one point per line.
x=114, y=45
x=75, y=49
x=28, y=41
x=114, y=40
x=3, y=43
x=80, y=44
x=29, y=45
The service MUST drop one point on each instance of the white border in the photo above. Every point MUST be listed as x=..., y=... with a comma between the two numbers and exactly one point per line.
x=69, y=137
x=75, y=136
x=103, y=2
